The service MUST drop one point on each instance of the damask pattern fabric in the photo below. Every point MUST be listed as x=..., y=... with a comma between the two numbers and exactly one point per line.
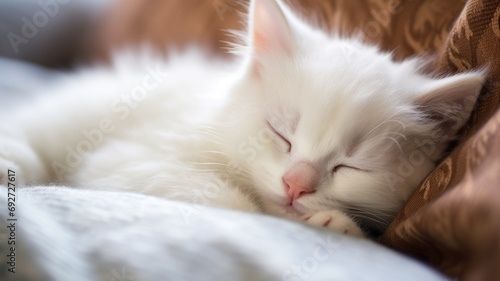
x=406, y=27
x=459, y=229
x=453, y=219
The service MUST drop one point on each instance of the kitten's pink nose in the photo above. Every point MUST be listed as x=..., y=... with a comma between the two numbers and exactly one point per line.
x=300, y=179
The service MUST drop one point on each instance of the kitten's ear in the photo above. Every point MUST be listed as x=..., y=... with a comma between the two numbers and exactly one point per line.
x=269, y=29
x=450, y=100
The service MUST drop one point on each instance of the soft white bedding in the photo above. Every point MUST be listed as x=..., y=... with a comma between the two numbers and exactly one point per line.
x=67, y=234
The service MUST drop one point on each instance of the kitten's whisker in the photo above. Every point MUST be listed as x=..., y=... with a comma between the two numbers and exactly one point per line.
x=212, y=135
x=380, y=215
x=385, y=136
x=369, y=218
x=200, y=170
x=390, y=133
x=219, y=164
x=399, y=134
x=397, y=143
x=372, y=217
x=242, y=178
x=389, y=119
x=209, y=163
x=217, y=152
x=219, y=142
x=379, y=218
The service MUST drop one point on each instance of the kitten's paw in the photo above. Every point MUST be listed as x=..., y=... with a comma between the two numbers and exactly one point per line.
x=334, y=220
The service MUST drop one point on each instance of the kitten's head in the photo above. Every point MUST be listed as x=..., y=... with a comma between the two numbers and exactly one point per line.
x=320, y=122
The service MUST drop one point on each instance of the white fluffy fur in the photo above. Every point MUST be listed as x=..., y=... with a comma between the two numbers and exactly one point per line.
x=201, y=135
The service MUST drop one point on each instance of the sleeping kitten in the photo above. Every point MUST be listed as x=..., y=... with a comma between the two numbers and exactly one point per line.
x=306, y=126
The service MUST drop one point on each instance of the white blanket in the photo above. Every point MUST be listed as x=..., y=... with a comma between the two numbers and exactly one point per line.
x=71, y=235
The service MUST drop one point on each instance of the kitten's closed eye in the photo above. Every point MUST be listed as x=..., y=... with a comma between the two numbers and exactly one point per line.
x=342, y=166
x=289, y=144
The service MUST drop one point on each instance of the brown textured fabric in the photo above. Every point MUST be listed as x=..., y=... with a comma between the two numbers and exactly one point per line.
x=403, y=26
x=459, y=232
x=459, y=229
x=453, y=219
x=162, y=23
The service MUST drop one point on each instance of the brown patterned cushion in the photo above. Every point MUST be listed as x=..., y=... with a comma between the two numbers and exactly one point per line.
x=458, y=230
x=453, y=219
x=403, y=26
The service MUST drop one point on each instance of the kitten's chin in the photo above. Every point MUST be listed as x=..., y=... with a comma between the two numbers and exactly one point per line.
x=284, y=209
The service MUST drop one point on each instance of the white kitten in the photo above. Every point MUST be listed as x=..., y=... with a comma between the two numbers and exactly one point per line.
x=308, y=126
